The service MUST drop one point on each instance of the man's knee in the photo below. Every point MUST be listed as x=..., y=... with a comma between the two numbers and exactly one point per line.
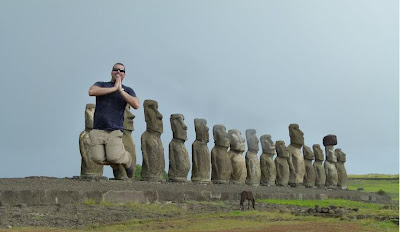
x=97, y=154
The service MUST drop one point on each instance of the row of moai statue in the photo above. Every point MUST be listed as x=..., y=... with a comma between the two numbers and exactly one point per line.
x=295, y=165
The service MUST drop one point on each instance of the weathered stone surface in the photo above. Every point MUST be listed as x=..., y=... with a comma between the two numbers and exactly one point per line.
x=329, y=140
x=330, y=168
x=237, y=147
x=252, y=161
x=267, y=164
x=201, y=159
x=309, y=176
x=318, y=153
x=296, y=160
x=88, y=167
x=341, y=169
x=179, y=164
x=153, y=165
x=127, y=140
x=282, y=164
x=220, y=161
x=320, y=177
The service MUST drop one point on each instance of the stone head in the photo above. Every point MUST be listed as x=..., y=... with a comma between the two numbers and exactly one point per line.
x=330, y=154
x=201, y=128
x=252, y=140
x=152, y=116
x=296, y=135
x=179, y=128
x=267, y=144
x=128, y=119
x=236, y=140
x=341, y=156
x=89, y=115
x=318, y=153
x=308, y=153
x=281, y=149
x=221, y=137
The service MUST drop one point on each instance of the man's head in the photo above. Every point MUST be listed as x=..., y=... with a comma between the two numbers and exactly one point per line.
x=118, y=71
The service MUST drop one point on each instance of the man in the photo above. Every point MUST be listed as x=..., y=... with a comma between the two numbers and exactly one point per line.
x=106, y=137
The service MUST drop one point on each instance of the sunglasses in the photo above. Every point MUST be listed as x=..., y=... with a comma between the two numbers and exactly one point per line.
x=120, y=70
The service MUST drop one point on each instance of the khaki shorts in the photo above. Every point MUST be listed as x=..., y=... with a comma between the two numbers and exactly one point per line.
x=106, y=148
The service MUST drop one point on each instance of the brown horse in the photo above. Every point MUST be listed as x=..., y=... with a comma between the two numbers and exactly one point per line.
x=247, y=195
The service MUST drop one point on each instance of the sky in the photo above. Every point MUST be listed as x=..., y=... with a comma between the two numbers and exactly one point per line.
x=330, y=66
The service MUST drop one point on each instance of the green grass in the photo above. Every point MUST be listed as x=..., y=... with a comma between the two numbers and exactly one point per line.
x=324, y=203
x=374, y=175
x=364, y=208
x=390, y=187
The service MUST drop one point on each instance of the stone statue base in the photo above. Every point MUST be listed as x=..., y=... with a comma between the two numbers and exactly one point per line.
x=153, y=179
x=236, y=182
x=252, y=183
x=178, y=180
x=270, y=183
x=203, y=182
x=90, y=177
x=220, y=182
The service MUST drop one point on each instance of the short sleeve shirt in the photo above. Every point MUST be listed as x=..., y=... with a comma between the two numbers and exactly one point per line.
x=110, y=108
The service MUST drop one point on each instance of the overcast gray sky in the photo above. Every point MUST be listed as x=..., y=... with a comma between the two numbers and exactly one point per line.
x=330, y=66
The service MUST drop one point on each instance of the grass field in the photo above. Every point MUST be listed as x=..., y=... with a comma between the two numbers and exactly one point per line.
x=384, y=184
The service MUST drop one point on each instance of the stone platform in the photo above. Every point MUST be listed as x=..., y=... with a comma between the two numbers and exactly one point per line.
x=32, y=191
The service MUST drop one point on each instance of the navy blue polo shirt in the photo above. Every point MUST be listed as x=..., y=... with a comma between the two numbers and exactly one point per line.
x=109, y=112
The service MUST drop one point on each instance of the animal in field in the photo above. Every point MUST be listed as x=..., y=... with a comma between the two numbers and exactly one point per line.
x=247, y=195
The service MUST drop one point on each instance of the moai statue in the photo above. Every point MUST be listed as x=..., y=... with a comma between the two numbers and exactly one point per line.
x=128, y=142
x=330, y=162
x=252, y=161
x=309, y=176
x=267, y=164
x=200, y=154
x=342, y=173
x=152, y=149
x=282, y=164
x=237, y=147
x=220, y=162
x=320, y=177
x=179, y=163
x=89, y=168
x=296, y=160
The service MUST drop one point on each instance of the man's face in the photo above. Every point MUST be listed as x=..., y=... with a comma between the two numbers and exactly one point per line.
x=118, y=71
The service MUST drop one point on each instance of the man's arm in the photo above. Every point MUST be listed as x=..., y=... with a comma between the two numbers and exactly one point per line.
x=132, y=101
x=99, y=91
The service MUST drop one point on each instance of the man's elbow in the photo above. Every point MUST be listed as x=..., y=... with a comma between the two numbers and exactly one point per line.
x=135, y=104
x=91, y=91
